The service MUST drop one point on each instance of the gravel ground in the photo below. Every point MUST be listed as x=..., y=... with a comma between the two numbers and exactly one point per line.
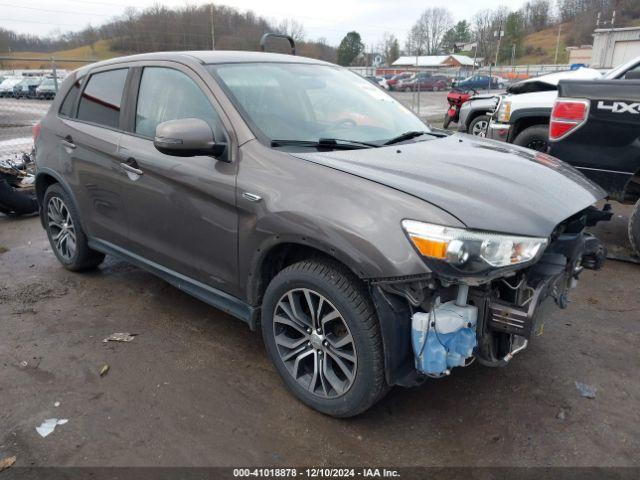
x=195, y=388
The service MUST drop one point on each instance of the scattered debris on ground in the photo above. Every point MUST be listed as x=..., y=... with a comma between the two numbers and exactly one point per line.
x=587, y=391
x=103, y=370
x=120, y=337
x=7, y=462
x=49, y=425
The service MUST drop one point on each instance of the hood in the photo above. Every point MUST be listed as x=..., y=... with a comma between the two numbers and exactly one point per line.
x=550, y=81
x=487, y=185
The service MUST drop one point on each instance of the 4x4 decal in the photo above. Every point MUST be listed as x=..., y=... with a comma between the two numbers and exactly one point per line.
x=620, y=107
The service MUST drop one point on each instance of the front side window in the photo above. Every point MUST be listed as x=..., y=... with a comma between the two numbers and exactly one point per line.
x=310, y=102
x=102, y=98
x=168, y=94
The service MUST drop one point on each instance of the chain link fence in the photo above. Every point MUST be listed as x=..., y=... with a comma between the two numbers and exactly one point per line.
x=23, y=105
x=17, y=118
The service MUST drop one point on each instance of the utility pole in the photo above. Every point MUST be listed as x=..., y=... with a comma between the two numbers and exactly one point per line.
x=555, y=59
x=513, y=54
x=213, y=37
x=475, y=56
x=499, y=34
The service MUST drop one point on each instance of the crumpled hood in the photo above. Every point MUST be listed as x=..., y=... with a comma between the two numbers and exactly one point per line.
x=550, y=81
x=487, y=185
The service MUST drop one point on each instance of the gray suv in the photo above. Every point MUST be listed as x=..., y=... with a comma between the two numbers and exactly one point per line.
x=370, y=250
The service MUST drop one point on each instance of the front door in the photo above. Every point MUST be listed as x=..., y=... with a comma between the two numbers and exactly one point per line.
x=181, y=210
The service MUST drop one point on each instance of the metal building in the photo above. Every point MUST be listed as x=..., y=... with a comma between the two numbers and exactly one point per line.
x=614, y=46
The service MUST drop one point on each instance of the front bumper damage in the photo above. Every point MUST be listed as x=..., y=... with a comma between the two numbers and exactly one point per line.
x=426, y=320
x=498, y=131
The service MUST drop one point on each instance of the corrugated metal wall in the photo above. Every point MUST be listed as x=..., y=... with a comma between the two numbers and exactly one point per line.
x=604, y=41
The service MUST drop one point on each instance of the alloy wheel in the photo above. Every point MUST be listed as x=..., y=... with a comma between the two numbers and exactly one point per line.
x=480, y=128
x=314, y=342
x=537, y=144
x=61, y=228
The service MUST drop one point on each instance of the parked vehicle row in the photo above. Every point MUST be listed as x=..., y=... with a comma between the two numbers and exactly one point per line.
x=42, y=88
x=589, y=120
x=480, y=82
x=379, y=81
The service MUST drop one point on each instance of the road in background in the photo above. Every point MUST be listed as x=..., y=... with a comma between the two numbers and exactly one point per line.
x=17, y=118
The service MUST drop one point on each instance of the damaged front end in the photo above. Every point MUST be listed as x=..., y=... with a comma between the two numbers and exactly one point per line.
x=488, y=310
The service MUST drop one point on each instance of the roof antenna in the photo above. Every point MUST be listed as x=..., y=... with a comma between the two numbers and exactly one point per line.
x=264, y=38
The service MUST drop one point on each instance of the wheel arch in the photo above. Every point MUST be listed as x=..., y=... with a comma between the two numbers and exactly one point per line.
x=44, y=179
x=631, y=192
x=393, y=313
x=279, y=253
x=522, y=123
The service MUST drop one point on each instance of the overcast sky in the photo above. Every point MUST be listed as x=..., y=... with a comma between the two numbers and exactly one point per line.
x=321, y=18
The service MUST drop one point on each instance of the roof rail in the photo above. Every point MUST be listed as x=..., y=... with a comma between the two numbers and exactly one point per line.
x=264, y=38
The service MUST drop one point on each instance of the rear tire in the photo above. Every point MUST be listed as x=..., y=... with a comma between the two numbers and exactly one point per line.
x=68, y=240
x=535, y=137
x=324, y=294
x=634, y=229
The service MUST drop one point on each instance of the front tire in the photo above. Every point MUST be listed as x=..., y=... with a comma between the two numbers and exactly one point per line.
x=321, y=333
x=634, y=229
x=479, y=125
x=68, y=240
x=535, y=138
x=447, y=121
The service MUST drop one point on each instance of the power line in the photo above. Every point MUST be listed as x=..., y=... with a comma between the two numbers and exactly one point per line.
x=53, y=11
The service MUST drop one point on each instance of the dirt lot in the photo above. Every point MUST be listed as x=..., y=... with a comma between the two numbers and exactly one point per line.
x=195, y=386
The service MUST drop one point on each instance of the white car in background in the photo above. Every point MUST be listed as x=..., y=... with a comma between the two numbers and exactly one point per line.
x=6, y=87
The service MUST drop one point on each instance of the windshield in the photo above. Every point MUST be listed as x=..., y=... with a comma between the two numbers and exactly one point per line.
x=48, y=82
x=311, y=102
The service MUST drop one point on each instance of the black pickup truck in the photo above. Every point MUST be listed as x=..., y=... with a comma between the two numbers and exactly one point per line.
x=595, y=126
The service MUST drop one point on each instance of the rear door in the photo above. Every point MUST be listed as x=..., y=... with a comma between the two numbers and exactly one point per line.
x=182, y=212
x=88, y=139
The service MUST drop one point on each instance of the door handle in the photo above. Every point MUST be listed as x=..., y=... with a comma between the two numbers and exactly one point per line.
x=130, y=165
x=68, y=142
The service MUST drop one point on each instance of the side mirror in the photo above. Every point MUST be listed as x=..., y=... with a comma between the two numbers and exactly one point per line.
x=187, y=137
x=632, y=75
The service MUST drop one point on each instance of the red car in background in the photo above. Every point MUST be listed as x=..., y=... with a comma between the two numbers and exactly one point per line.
x=423, y=81
x=393, y=81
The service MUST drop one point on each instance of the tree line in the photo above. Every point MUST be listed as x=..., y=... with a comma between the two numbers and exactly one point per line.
x=161, y=28
x=434, y=32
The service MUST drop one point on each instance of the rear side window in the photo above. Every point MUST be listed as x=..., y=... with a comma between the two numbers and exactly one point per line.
x=66, y=109
x=168, y=94
x=102, y=98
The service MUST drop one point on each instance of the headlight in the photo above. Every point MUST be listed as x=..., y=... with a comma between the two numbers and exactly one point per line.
x=469, y=249
x=504, y=111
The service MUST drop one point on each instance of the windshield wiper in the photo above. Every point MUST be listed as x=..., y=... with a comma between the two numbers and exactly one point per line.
x=405, y=136
x=331, y=143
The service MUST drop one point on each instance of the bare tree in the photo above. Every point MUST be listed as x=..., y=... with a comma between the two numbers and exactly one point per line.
x=293, y=28
x=537, y=14
x=427, y=33
x=389, y=48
